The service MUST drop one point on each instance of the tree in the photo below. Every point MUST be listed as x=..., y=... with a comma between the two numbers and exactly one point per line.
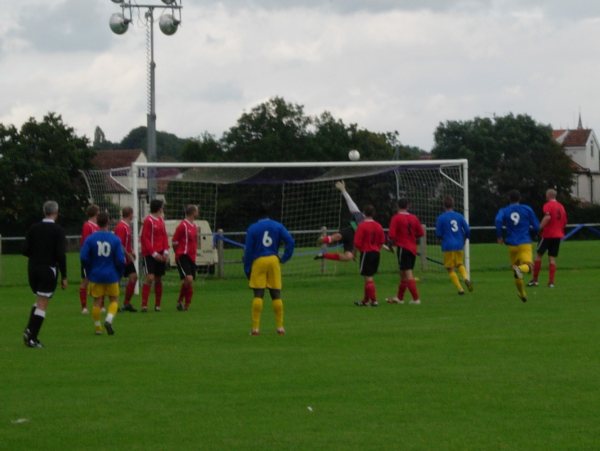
x=168, y=145
x=204, y=149
x=272, y=131
x=504, y=153
x=41, y=162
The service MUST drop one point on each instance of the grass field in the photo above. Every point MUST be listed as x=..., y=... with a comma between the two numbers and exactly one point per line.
x=482, y=371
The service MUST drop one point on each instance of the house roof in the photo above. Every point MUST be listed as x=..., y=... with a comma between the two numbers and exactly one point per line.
x=116, y=158
x=574, y=138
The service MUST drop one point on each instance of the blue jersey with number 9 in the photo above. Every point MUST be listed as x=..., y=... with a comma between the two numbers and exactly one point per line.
x=519, y=220
x=263, y=238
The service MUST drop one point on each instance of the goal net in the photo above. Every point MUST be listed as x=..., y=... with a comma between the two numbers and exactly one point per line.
x=301, y=195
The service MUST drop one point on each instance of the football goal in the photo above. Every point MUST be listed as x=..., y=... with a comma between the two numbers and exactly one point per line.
x=300, y=195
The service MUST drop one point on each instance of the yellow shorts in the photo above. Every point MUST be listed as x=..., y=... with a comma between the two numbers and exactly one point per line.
x=453, y=259
x=266, y=273
x=98, y=290
x=520, y=254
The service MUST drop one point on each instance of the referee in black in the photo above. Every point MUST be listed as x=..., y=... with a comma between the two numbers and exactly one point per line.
x=45, y=246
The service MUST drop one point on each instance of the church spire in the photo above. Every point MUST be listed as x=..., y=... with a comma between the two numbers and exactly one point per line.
x=579, y=124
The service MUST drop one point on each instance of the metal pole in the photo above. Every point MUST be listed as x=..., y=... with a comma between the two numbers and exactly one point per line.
x=151, y=117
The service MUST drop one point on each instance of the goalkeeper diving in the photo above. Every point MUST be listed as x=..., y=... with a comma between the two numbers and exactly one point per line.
x=345, y=235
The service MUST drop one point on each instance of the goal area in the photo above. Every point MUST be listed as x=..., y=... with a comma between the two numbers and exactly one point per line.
x=302, y=196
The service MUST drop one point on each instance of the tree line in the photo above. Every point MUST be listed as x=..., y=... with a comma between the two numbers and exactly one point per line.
x=42, y=159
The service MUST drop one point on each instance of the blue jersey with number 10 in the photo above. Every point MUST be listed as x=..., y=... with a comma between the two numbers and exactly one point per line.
x=453, y=229
x=519, y=221
x=103, y=257
x=263, y=238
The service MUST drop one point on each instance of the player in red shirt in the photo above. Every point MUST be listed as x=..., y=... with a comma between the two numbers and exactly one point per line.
x=405, y=230
x=89, y=227
x=552, y=230
x=368, y=239
x=155, y=252
x=123, y=231
x=185, y=245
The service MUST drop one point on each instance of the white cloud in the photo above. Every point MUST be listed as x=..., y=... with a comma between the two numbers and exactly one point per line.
x=385, y=65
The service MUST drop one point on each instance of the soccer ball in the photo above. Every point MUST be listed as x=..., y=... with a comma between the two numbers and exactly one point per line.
x=354, y=155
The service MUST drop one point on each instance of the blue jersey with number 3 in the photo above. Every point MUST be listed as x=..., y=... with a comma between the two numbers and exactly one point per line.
x=453, y=229
x=519, y=221
x=263, y=238
x=103, y=257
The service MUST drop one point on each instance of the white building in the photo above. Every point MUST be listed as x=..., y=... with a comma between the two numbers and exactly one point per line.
x=582, y=146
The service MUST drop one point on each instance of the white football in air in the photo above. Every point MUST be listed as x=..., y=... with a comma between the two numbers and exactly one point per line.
x=354, y=155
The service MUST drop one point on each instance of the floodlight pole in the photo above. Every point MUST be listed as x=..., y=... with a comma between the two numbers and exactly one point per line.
x=151, y=116
x=169, y=27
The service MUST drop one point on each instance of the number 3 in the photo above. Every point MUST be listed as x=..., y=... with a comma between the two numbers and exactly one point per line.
x=454, y=225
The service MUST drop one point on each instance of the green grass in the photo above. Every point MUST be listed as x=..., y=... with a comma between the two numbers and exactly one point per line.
x=482, y=371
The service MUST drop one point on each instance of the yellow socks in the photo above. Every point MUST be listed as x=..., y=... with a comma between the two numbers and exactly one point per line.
x=454, y=279
x=257, y=306
x=278, y=309
x=520, y=287
x=463, y=272
x=113, y=308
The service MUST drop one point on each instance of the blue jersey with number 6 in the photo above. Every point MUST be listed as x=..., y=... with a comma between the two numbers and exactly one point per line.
x=519, y=221
x=263, y=238
x=453, y=229
x=103, y=257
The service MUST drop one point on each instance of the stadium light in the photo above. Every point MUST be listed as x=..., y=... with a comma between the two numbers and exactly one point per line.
x=169, y=23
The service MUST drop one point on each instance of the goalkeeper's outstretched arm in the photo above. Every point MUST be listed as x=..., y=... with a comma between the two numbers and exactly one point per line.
x=356, y=213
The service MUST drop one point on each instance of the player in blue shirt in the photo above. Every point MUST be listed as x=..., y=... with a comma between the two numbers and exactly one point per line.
x=518, y=221
x=104, y=260
x=453, y=229
x=262, y=265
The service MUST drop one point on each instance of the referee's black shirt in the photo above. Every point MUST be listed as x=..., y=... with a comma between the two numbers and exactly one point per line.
x=45, y=245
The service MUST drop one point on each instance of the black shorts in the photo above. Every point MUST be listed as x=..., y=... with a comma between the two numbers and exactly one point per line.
x=42, y=279
x=348, y=239
x=129, y=269
x=83, y=274
x=548, y=244
x=153, y=266
x=186, y=267
x=406, y=259
x=369, y=263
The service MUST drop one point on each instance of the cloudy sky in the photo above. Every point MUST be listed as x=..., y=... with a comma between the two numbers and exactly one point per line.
x=386, y=65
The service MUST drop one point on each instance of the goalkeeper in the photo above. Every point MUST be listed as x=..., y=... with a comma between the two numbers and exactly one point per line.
x=345, y=235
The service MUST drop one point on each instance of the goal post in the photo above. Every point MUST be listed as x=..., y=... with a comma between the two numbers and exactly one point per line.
x=304, y=199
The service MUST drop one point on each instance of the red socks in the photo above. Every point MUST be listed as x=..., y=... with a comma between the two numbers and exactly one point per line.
x=145, y=294
x=412, y=287
x=188, y=295
x=158, y=289
x=551, y=272
x=537, y=265
x=129, y=291
x=402, y=288
x=411, y=284
x=331, y=256
x=370, y=292
x=83, y=297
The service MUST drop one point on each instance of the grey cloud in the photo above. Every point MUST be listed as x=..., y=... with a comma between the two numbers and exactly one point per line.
x=74, y=25
x=556, y=9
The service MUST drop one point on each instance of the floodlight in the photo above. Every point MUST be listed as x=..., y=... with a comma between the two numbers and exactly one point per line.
x=168, y=2
x=117, y=1
x=168, y=24
x=118, y=23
